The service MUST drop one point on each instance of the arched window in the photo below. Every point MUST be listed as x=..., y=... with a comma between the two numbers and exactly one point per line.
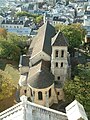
x=62, y=53
x=58, y=77
x=50, y=93
x=61, y=64
x=56, y=53
x=40, y=95
x=25, y=91
x=31, y=91
x=56, y=64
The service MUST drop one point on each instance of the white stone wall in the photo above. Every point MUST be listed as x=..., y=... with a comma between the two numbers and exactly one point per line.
x=6, y=26
x=30, y=111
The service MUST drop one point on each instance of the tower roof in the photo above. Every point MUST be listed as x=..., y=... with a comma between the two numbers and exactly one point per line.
x=59, y=40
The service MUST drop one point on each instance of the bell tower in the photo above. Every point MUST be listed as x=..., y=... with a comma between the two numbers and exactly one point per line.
x=59, y=62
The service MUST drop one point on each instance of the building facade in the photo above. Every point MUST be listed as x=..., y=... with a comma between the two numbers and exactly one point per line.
x=26, y=110
x=45, y=68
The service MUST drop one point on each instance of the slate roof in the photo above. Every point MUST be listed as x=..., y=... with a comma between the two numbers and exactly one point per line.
x=24, y=60
x=39, y=76
x=43, y=38
x=27, y=23
x=59, y=40
x=59, y=19
x=12, y=22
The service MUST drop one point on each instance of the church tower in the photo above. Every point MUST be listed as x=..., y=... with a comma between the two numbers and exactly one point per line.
x=59, y=61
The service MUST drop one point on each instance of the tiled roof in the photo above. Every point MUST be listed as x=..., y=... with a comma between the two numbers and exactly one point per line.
x=43, y=38
x=39, y=76
x=24, y=60
x=12, y=22
x=59, y=40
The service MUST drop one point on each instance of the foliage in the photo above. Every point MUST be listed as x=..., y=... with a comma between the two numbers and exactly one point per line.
x=79, y=88
x=6, y=85
x=3, y=33
x=12, y=47
x=36, y=18
x=74, y=33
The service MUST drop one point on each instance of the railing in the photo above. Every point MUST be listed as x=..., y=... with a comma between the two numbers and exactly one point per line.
x=23, y=107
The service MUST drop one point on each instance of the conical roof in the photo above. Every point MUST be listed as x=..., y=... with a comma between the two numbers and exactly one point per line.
x=59, y=40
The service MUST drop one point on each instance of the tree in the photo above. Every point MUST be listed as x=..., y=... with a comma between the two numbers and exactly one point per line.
x=38, y=19
x=3, y=32
x=6, y=85
x=10, y=51
x=12, y=47
x=74, y=33
x=79, y=87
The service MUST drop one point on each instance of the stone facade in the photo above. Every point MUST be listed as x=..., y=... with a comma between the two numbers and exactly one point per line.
x=26, y=110
x=43, y=76
x=29, y=111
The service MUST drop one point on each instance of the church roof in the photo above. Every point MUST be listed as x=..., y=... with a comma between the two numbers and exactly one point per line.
x=43, y=39
x=59, y=40
x=24, y=60
x=39, y=76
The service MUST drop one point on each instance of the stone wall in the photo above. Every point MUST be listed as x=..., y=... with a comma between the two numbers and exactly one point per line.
x=29, y=111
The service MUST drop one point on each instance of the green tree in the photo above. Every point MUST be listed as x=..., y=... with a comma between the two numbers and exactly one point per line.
x=38, y=19
x=10, y=51
x=74, y=33
x=12, y=47
x=24, y=13
x=79, y=88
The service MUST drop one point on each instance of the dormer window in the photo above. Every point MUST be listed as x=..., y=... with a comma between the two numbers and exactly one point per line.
x=62, y=53
x=56, y=53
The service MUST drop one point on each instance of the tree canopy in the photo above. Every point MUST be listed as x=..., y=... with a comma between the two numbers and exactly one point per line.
x=36, y=18
x=74, y=33
x=6, y=85
x=3, y=32
x=79, y=87
x=12, y=47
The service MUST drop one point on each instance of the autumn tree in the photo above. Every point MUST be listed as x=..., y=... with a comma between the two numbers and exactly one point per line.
x=3, y=33
x=6, y=85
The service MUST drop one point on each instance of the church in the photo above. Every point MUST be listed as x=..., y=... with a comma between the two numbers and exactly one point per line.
x=43, y=72
x=45, y=68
